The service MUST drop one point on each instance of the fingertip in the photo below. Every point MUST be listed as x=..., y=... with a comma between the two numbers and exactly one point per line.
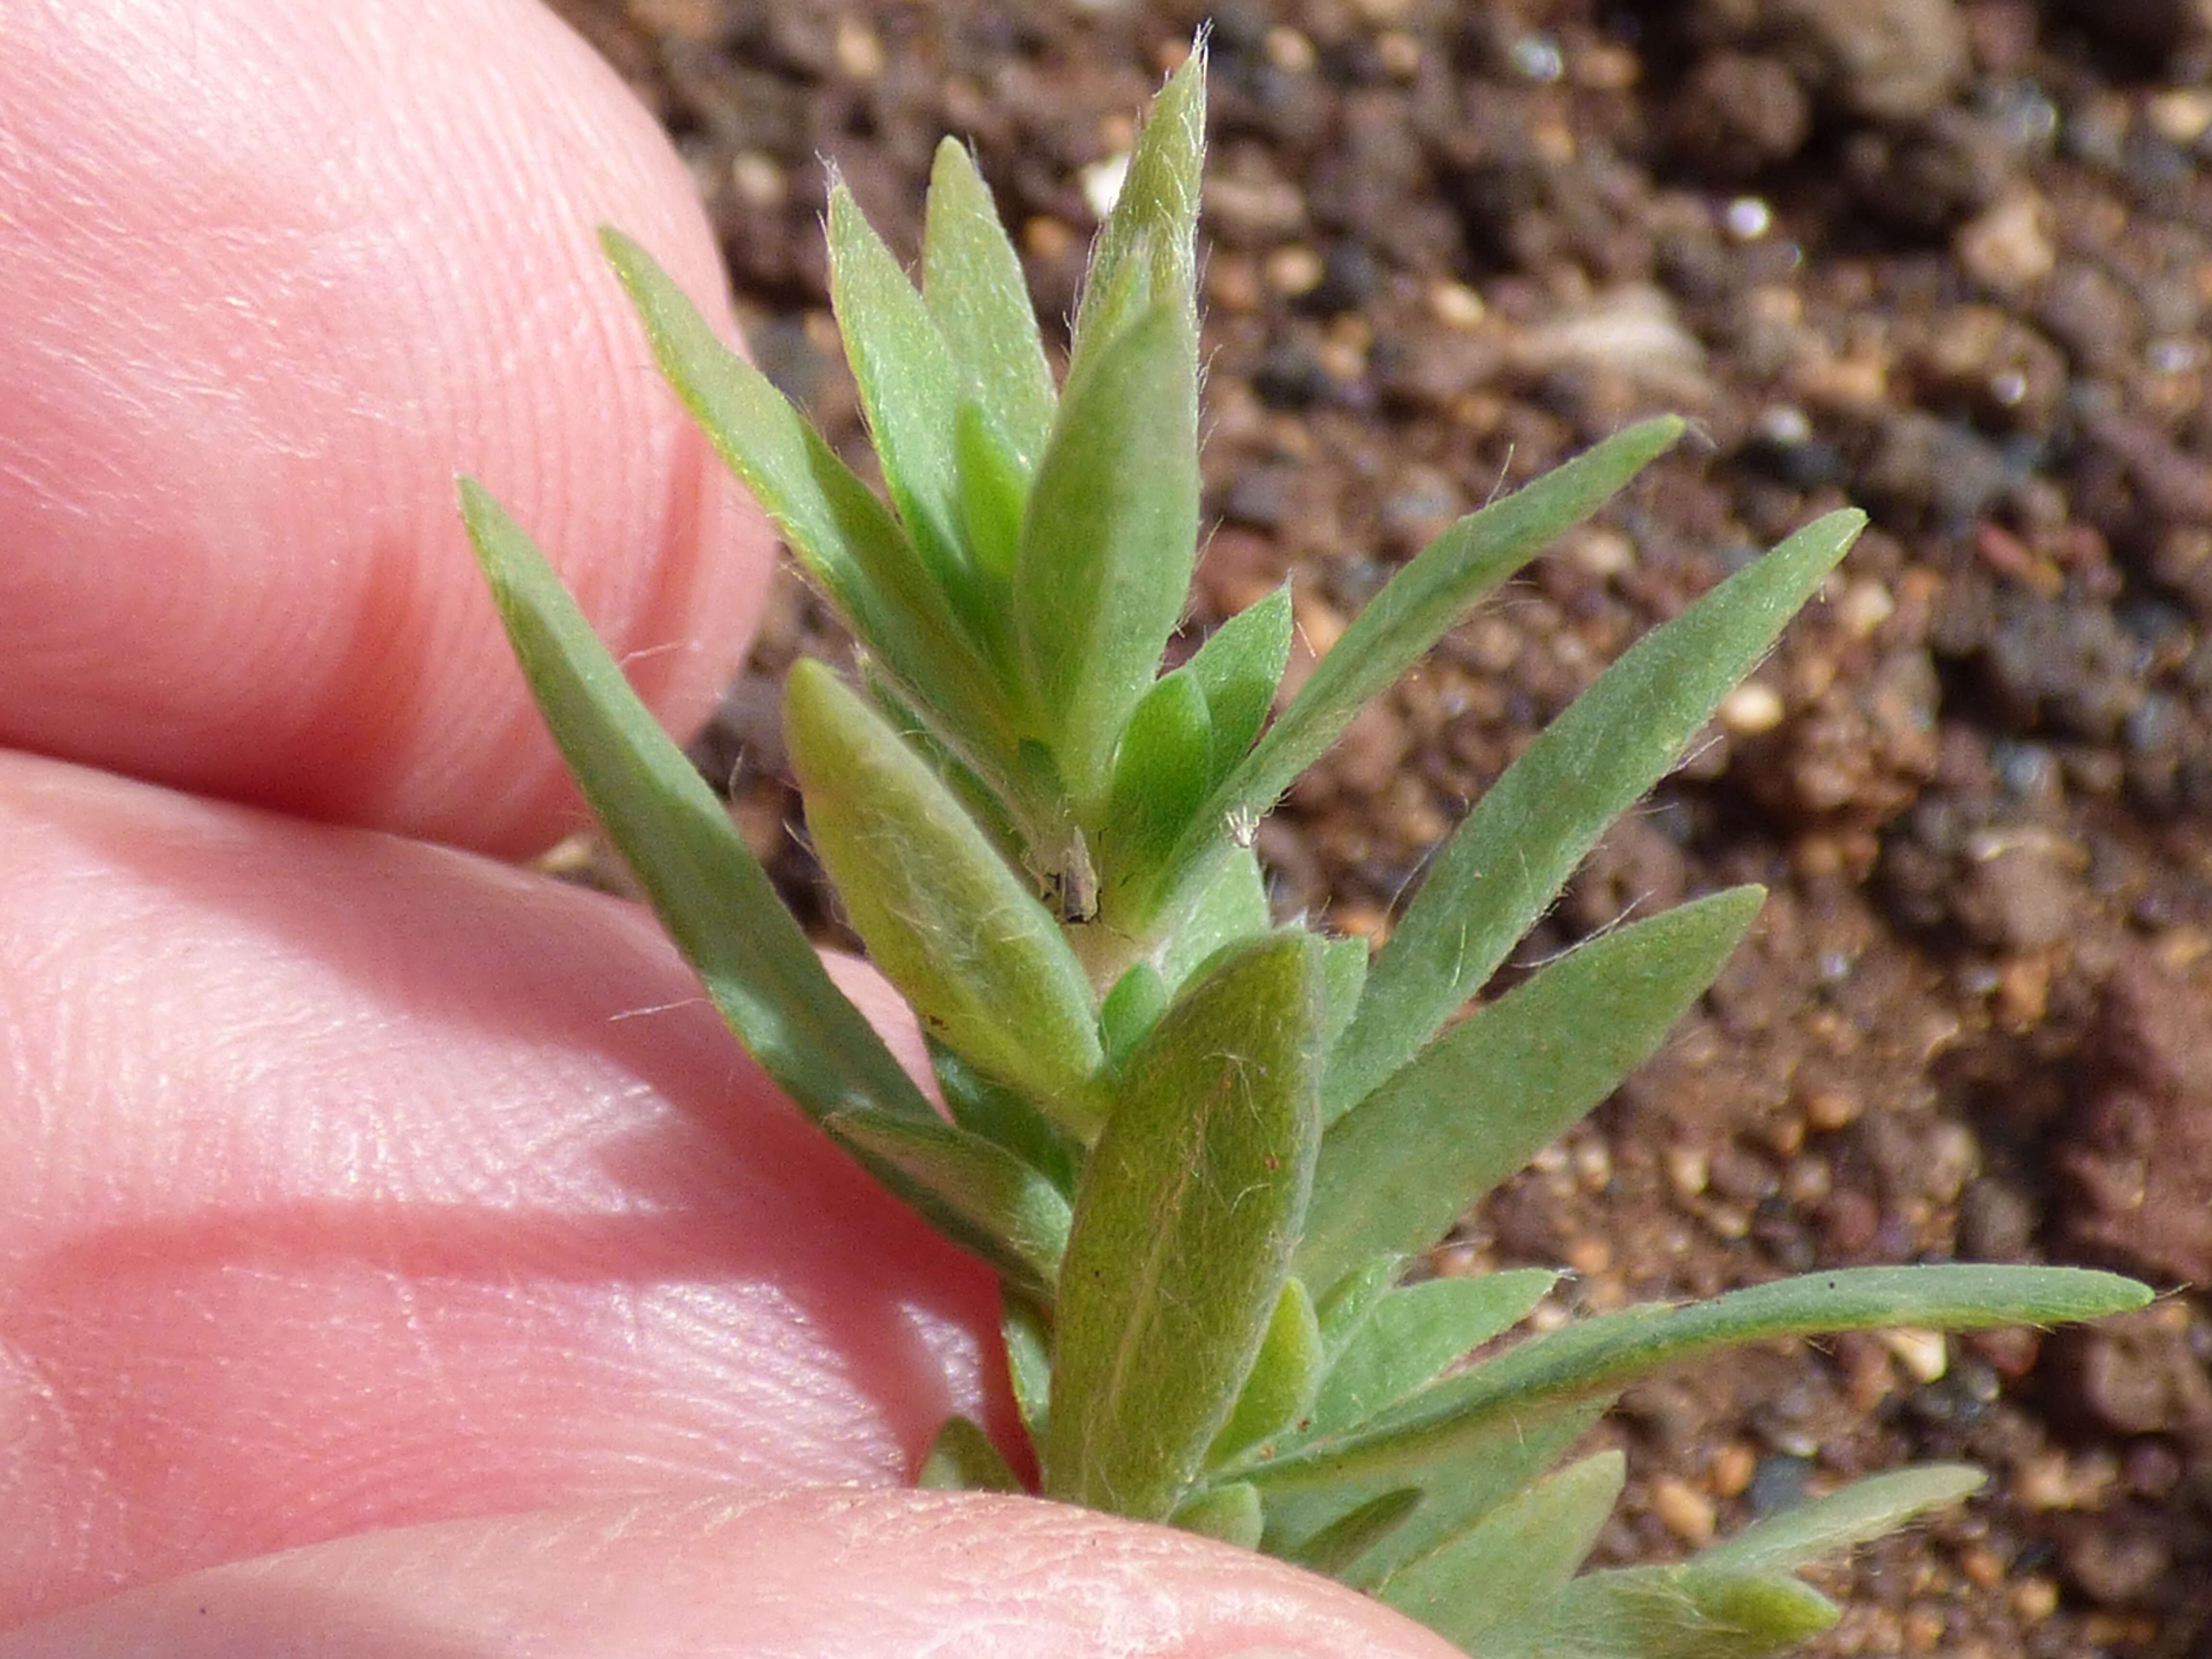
x=856, y=1574
x=278, y=274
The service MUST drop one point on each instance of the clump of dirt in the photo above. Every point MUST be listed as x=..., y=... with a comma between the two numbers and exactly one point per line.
x=1947, y=259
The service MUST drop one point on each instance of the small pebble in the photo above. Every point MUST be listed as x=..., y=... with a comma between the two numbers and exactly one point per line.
x=1923, y=1354
x=1683, y=1510
x=1752, y=709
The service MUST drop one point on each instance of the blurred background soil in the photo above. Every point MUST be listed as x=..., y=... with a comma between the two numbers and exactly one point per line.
x=1950, y=260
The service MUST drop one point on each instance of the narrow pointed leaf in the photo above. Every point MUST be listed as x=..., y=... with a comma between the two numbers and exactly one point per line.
x=1307, y=1498
x=1344, y=971
x=1017, y=1220
x=910, y=389
x=1667, y=1613
x=1416, y=1331
x=1153, y=225
x=1514, y=1560
x=963, y=1459
x=702, y=880
x=1230, y=1513
x=1333, y=1551
x=976, y=289
x=839, y=531
x=1416, y=607
x=1109, y=539
x=1485, y=1098
x=1517, y=847
x=1239, y=668
x=1183, y=1226
x=960, y=934
x=1284, y=1377
x=1861, y=1512
x=1160, y=771
x=1344, y=1311
x=1601, y=1356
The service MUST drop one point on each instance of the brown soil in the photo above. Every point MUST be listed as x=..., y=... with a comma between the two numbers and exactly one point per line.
x=1948, y=260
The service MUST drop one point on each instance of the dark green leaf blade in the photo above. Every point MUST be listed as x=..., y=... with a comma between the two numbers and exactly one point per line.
x=1002, y=1114
x=1517, y=847
x=1016, y=1219
x=1108, y=542
x=1413, y=1332
x=1183, y=1227
x=972, y=280
x=1514, y=1559
x=839, y=531
x=1239, y=668
x=958, y=932
x=1160, y=772
x=1485, y=1098
x=704, y=883
x=963, y=1459
x=1413, y=610
x=1026, y=1330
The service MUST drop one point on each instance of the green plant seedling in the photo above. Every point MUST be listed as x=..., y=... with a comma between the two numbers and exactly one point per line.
x=1204, y=1151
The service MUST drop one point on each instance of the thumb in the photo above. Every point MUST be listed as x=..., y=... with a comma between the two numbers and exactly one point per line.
x=873, y=1574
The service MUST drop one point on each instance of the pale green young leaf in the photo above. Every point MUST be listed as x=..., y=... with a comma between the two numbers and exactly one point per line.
x=1485, y=1097
x=1108, y=542
x=833, y=522
x=1015, y=1219
x=1002, y=1114
x=911, y=390
x=1688, y=1612
x=958, y=932
x=1239, y=668
x=1861, y=1512
x=701, y=879
x=1139, y=998
x=1598, y=1357
x=1517, y=847
x=961, y=1458
x=1413, y=1332
x=1161, y=771
x=1281, y=1383
x=1184, y=1220
x=1400, y=624
x=972, y=280
x=1229, y=904
x=1512, y=1561
x=1147, y=251
x=993, y=494
x=1230, y=1513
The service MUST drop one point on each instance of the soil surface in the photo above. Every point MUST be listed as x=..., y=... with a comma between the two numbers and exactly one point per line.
x=1950, y=260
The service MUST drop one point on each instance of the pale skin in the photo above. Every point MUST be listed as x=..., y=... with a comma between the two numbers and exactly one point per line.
x=396, y=1257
